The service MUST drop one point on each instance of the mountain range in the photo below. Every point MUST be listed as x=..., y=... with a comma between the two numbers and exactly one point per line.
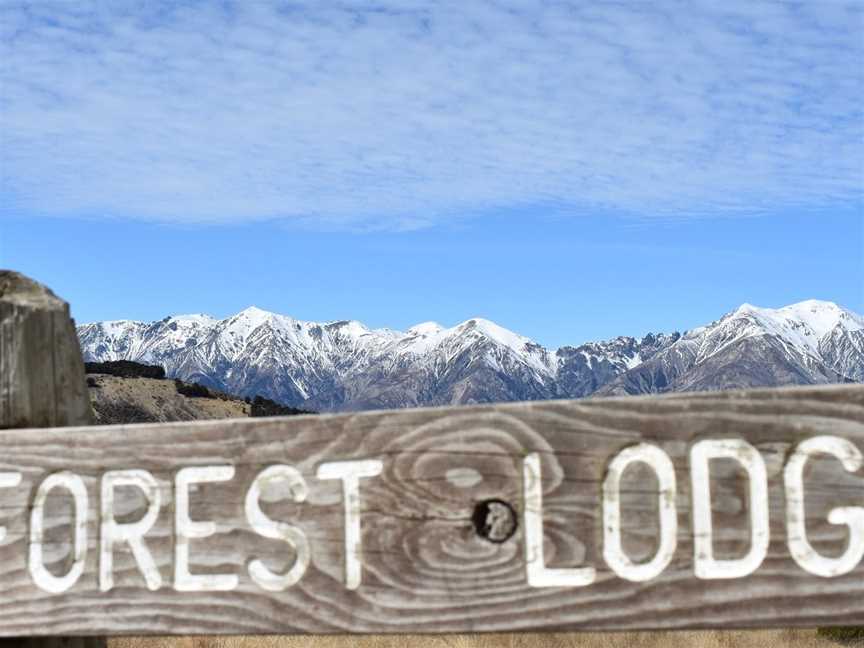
x=345, y=365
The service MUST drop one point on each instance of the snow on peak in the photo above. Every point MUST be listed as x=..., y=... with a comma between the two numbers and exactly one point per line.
x=801, y=325
x=196, y=319
x=494, y=332
x=351, y=328
x=425, y=328
x=240, y=326
x=262, y=334
x=819, y=317
x=423, y=338
x=822, y=317
x=255, y=313
x=113, y=326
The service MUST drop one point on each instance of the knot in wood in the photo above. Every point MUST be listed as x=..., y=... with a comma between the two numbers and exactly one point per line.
x=494, y=520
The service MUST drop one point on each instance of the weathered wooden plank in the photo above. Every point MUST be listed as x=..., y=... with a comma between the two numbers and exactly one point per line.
x=448, y=477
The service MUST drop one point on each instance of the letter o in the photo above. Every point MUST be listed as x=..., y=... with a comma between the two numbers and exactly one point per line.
x=42, y=577
x=613, y=551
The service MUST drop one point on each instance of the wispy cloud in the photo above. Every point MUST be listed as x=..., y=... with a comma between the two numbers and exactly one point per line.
x=399, y=114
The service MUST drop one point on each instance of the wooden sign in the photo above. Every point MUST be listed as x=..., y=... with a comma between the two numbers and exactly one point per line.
x=713, y=510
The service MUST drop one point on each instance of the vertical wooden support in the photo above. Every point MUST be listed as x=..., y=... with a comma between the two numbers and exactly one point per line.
x=42, y=382
x=41, y=371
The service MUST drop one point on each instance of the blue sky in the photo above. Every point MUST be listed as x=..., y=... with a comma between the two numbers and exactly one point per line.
x=559, y=279
x=570, y=170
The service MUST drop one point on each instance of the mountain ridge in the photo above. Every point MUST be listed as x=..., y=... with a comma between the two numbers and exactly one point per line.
x=345, y=365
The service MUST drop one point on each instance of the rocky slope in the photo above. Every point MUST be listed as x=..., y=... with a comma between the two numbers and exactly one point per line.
x=345, y=365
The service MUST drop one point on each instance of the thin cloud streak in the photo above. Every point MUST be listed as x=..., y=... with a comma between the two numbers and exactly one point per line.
x=402, y=115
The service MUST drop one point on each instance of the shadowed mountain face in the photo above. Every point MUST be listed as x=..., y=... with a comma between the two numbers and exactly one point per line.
x=346, y=366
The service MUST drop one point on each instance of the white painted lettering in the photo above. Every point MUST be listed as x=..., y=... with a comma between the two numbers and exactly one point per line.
x=852, y=516
x=350, y=473
x=41, y=576
x=613, y=551
x=538, y=574
x=8, y=480
x=705, y=565
x=186, y=529
x=131, y=532
x=268, y=528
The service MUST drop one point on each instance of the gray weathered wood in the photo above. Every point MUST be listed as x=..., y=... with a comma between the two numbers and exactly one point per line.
x=425, y=567
x=41, y=371
x=41, y=381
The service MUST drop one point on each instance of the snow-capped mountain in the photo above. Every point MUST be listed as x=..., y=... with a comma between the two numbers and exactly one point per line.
x=811, y=342
x=345, y=365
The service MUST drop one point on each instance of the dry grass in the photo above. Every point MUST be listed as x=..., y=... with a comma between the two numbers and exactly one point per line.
x=685, y=639
x=157, y=400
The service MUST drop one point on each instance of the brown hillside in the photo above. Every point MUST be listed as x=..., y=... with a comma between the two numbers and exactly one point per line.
x=148, y=400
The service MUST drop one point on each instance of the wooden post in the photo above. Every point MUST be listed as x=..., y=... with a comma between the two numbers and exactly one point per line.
x=42, y=381
x=41, y=371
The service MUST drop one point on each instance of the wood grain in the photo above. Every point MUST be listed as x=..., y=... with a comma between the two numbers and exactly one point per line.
x=425, y=567
x=41, y=381
x=41, y=370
